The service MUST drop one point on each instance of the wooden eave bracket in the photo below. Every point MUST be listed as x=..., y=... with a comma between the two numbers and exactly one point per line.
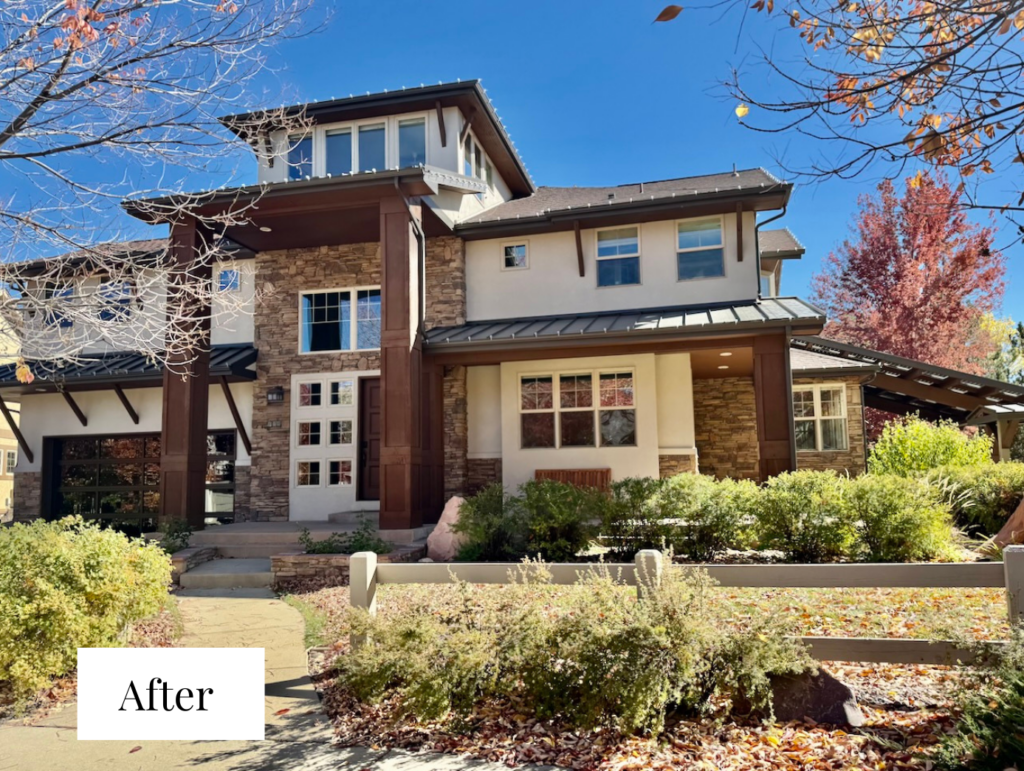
x=126, y=404
x=440, y=123
x=242, y=433
x=74, y=407
x=739, y=234
x=16, y=431
x=579, y=247
x=467, y=125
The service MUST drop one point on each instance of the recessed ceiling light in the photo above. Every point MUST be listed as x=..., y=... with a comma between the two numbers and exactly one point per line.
x=723, y=366
x=265, y=229
x=725, y=353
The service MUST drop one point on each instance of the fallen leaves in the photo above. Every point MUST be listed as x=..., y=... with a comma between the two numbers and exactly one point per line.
x=134, y=749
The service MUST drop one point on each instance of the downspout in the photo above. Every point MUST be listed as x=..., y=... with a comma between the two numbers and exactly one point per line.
x=757, y=243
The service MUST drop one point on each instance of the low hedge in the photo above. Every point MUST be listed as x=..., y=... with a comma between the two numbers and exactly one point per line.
x=66, y=585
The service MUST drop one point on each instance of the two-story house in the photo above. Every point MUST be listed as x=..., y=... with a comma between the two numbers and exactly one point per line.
x=412, y=318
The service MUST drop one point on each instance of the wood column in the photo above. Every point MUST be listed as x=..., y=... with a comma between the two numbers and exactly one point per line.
x=401, y=452
x=186, y=388
x=773, y=391
x=432, y=416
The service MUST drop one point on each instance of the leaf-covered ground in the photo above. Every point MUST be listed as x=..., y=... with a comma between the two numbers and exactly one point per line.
x=908, y=708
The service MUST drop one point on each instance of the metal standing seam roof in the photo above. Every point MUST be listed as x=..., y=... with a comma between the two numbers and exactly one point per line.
x=124, y=367
x=993, y=413
x=778, y=311
x=802, y=360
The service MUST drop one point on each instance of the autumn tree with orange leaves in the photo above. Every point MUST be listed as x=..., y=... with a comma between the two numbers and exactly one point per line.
x=896, y=82
x=915, y=278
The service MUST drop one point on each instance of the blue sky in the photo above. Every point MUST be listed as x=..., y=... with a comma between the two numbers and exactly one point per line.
x=592, y=93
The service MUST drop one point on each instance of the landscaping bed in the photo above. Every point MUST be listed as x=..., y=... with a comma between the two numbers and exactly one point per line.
x=908, y=709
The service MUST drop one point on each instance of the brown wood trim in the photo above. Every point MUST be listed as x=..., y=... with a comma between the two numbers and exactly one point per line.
x=927, y=393
x=470, y=117
x=579, y=246
x=739, y=234
x=74, y=407
x=127, y=404
x=242, y=434
x=16, y=431
x=440, y=123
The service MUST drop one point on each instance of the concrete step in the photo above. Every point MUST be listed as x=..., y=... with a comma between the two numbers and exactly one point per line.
x=256, y=551
x=229, y=574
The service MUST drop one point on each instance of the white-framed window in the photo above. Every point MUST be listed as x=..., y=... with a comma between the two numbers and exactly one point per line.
x=699, y=249
x=578, y=409
x=329, y=324
x=300, y=156
x=307, y=473
x=310, y=394
x=339, y=473
x=11, y=461
x=339, y=151
x=372, y=147
x=116, y=298
x=343, y=393
x=62, y=294
x=308, y=433
x=229, y=280
x=340, y=432
x=515, y=255
x=768, y=284
x=412, y=142
x=819, y=412
x=618, y=256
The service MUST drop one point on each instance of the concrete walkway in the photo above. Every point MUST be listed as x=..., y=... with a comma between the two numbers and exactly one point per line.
x=298, y=734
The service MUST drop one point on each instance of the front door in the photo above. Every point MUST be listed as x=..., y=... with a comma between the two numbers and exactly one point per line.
x=369, y=438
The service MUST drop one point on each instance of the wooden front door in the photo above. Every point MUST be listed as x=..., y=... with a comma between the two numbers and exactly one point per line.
x=369, y=438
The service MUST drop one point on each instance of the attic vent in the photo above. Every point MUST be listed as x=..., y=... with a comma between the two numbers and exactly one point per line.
x=611, y=196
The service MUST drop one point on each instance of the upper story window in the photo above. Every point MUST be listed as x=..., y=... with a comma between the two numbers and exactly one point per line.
x=412, y=142
x=229, y=280
x=768, y=285
x=819, y=412
x=12, y=461
x=618, y=257
x=328, y=323
x=61, y=295
x=699, y=252
x=372, y=147
x=467, y=156
x=515, y=256
x=340, y=151
x=300, y=157
x=116, y=298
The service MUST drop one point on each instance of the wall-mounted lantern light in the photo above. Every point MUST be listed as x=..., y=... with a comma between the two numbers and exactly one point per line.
x=275, y=395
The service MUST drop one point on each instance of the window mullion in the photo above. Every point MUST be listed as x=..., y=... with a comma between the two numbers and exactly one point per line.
x=817, y=419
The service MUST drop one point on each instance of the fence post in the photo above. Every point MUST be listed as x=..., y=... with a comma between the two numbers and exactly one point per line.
x=648, y=570
x=1013, y=565
x=362, y=587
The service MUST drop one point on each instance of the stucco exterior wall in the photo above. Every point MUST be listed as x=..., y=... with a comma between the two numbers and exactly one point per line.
x=725, y=418
x=552, y=283
x=853, y=459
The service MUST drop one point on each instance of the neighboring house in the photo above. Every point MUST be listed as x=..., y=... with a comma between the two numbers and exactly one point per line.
x=420, y=319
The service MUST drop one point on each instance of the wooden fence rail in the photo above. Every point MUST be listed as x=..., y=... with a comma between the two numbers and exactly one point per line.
x=366, y=575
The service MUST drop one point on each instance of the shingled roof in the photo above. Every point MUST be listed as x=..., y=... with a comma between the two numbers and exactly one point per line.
x=553, y=200
x=779, y=244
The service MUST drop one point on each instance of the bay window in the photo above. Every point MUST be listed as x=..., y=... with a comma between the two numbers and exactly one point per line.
x=328, y=323
x=618, y=257
x=819, y=413
x=578, y=409
x=699, y=252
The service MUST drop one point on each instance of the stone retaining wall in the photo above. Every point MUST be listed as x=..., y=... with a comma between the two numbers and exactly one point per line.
x=187, y=559
x=291, y=566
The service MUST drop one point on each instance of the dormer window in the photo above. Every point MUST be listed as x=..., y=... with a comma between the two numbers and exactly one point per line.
x=412, y=143
x=300, y=157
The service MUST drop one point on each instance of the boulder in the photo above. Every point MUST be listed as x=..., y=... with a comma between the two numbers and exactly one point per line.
x=442, y=543
x=1013, y=531
x=820, y=697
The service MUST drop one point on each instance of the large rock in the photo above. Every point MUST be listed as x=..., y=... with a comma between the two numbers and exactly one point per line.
x=820, y=697
x=442, y=543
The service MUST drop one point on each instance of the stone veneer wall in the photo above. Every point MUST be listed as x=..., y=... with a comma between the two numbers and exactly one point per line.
x=28, y=495
x=280, y=277
x=725, y=424
x=332, y=568
x=482, y=472
x=243, y=493
x=851, y=460
x=671, y=465
x=456, y=436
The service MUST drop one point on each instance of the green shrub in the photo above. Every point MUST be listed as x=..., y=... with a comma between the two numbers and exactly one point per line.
x=709, y=515
x=636, y=518
x=910, y=446
x=67, y=585
x=805, y=515
x=493, y=527
x=989, y=735
x=176, y=535
x=363, y=538
x=899, y=519
x=982, y=497
x=591, y=655
x=561, y=520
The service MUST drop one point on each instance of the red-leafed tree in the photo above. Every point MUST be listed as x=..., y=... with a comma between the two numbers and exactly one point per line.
x=916, y=278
